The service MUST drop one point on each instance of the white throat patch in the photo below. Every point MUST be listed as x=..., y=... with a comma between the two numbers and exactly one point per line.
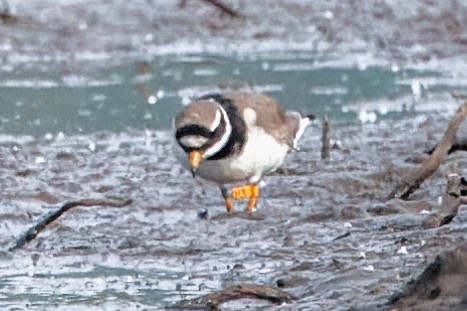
x=225, y=136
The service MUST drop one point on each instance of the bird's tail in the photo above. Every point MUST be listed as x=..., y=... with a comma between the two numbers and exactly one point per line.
x=301, y=123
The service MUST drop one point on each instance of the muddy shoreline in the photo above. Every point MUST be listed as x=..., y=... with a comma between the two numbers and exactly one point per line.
x=322, y=233
x=158, y=251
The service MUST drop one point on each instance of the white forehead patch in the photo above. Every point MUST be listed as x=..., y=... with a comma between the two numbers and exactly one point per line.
x=250, y=116
x=193, y=141
x=216, y=122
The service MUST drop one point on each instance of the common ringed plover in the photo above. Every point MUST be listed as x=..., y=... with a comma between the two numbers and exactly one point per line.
x=236, y=137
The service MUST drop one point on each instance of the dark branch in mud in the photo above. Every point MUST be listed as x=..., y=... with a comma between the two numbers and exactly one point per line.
x=213, y=300
x=414, y=178
x=5, y=14
x=347, y=234
x=326, y=148
x=223, y=7
x=48, y=218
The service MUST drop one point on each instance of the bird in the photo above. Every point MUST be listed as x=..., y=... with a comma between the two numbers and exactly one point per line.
x=236, y=138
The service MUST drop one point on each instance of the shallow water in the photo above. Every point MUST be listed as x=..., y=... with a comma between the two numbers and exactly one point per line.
x=146, y=95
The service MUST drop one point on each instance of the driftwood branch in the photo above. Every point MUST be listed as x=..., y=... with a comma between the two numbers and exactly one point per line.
x=412, y=181
x=213, y=300
x=48, y=218
x=326, y=148
x=223, y=7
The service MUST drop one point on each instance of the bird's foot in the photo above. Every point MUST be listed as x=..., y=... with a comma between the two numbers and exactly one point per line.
x=227, y=200
x=229, y=205
x=250, y=192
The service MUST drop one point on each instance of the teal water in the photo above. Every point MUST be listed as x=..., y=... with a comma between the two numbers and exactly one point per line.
x=44, y=98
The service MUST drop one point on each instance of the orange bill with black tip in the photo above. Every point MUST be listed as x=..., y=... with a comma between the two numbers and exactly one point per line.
x=194, y=158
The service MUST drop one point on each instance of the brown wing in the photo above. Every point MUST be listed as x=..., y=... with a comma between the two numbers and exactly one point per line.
x=269, y=115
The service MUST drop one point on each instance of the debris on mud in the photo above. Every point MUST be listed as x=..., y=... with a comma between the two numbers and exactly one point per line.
x=47, y=219
x=413, y=179
x=86, y=100
x=237, y=292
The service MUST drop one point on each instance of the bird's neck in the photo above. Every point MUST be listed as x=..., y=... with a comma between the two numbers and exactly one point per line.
x=235, y=140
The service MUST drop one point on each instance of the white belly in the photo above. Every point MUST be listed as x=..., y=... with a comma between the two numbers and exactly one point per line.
x=261, y=155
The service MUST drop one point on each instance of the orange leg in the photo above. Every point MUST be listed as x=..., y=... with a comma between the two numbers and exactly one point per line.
x=252, y=204
x=227, y=200
x=229, y=205
x=250, y=192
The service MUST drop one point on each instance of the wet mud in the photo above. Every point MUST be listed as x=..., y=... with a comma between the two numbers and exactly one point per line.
x=323, y=232
x=418, y=31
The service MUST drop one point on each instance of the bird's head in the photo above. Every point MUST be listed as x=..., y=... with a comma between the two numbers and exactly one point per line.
x=202, y=130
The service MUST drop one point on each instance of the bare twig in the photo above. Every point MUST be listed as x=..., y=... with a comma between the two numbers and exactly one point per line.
x=412, y=181
x=242, y=291
x=223, y=7
x=347, y=234
x=48, y=218
x=325, y=149
x=5, y=14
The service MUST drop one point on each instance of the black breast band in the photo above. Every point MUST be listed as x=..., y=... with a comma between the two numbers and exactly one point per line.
x=237, y=138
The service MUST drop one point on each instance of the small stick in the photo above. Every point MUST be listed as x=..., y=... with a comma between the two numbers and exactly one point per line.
x=6, y=16
x=48, y=218
x=224, y=8
x=241, y=291
x=347, y=234
x=414, y=178
x=326, y=148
